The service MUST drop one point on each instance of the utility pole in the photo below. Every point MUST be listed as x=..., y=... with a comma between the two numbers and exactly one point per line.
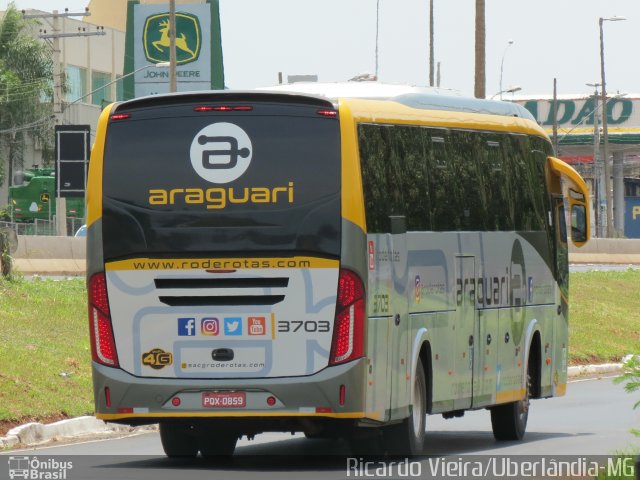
x=55, y=36
x=596, y=163
x=173, y=83
x=58, y=85
x=480, y=57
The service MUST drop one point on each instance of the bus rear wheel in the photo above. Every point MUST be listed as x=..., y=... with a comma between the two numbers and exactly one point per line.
x=408, y=437
x=178, y=440
x=509, y=421
x=218, y=445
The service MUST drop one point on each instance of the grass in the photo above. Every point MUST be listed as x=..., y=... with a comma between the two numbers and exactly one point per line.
x=604, y=316
x=45, y=357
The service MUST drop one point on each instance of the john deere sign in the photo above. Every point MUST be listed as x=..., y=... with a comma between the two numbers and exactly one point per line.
x=156, y=38
x=198, y=48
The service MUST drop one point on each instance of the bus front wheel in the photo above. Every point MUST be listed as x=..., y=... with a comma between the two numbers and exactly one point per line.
x=509, y=421
x=408, y=436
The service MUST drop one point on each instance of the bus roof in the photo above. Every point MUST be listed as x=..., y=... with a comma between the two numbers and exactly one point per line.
x=415, y=97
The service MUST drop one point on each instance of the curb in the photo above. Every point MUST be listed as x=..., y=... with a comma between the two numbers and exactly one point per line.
x=586, y=370
x=36, y=433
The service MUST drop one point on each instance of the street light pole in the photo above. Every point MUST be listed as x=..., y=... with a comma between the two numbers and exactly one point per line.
x=144, y=67
x=512, y=90
x=605, y=131
x=502, y=65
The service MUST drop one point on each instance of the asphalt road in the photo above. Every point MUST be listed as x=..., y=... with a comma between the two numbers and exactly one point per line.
x=594, y=418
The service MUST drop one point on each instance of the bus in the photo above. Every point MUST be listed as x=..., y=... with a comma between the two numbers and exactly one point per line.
x=340, y=260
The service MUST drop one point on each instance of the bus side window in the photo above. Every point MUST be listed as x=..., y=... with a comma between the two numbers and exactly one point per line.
x=578, y=223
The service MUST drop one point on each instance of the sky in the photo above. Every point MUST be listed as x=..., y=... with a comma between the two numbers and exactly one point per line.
x=336, y=39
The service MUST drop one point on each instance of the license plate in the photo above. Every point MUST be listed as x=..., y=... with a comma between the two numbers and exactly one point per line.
x=224, y=399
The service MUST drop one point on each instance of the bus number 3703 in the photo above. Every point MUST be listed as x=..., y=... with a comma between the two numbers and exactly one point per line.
x=306, y=326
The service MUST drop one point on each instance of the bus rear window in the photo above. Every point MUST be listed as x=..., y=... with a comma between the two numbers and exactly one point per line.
x=180, y=182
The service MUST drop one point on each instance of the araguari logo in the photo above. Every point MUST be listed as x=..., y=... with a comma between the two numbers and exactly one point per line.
x=156, y=38
x=221, y=153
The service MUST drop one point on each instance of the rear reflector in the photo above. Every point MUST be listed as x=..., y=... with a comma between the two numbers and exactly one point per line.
x=324, y=410
x=107, y=397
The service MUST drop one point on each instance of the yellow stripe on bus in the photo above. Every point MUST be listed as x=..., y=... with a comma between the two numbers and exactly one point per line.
x=352, y=206
x=94, y=182
x=222, y=264
x=510, y=395
x=121, y=416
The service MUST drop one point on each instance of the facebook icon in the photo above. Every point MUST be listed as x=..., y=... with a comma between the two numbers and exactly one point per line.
x=186, y=327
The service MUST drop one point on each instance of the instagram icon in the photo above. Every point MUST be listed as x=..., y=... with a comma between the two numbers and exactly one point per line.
x=210, y=326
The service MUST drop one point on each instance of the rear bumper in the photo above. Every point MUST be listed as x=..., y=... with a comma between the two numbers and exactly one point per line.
x=137, y=401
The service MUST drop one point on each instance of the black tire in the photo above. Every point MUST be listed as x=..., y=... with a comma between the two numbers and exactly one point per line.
x=178, y=441
x=407, y=438
x=217, y=445
x=509, y=421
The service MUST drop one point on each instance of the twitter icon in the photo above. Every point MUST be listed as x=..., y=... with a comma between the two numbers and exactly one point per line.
x=233, y=326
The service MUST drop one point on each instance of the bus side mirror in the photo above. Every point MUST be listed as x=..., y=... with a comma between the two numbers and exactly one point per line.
x=576, y=192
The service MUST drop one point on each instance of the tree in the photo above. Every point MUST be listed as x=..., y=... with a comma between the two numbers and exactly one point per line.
x=26, y=86
x=480, y=77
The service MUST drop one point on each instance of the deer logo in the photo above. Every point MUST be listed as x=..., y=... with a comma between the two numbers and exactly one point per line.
x=156, y=38
x=164, y=42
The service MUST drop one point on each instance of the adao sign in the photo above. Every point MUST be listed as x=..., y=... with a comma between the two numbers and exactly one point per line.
x=621, y=112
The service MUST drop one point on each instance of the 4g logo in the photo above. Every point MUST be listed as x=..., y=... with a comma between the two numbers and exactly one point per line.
x=157, y=359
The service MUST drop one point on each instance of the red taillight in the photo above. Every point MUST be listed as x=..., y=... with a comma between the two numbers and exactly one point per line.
x=103, y=345
x=120, y=116
x=223, y=108
x=348, y=331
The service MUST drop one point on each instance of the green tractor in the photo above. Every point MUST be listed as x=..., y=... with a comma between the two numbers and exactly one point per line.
x=33, y=197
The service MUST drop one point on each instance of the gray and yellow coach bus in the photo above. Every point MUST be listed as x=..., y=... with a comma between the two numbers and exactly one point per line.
x=338, y=264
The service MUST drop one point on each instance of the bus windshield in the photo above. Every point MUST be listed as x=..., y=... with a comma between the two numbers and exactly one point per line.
x=186, y=179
